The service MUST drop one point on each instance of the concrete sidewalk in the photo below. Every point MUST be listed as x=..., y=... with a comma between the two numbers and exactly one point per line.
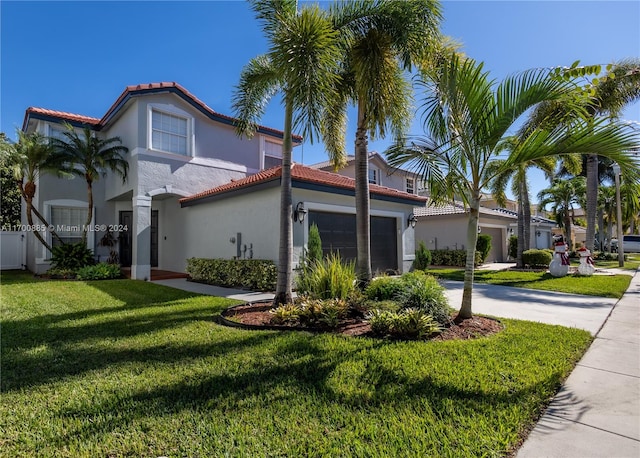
x=596, y=413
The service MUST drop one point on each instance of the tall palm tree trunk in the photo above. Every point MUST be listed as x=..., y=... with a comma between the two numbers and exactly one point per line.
x=567, y=228
x=600, y=229
x=89, y=210
x=285, y=256
x=363, y=241
x=526, y=214
x=592, y=199
x=472, y=238
x=520, y=241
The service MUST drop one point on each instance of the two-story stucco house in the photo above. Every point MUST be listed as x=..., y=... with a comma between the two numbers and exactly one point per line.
x=179, y=148
x=380, y=173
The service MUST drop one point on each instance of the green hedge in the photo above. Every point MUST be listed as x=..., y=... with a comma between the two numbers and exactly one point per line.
x=453, y=258
x=102, y=271
x=255, y=274
x=537, y=258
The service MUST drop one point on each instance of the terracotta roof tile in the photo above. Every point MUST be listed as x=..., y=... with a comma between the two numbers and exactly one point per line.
x=307, y=175
x=64, y=115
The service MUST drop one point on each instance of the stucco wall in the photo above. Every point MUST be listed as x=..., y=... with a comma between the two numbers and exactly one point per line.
x=209, y=227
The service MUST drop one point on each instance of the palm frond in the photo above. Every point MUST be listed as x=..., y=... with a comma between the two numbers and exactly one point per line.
x=259, y=81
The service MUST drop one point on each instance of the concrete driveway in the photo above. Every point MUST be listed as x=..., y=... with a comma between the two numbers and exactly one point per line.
x=571, y=310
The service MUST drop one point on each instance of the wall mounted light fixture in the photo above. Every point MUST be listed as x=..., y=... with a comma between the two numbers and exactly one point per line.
x=412, y=220
x=538, y=233
x=299, y=213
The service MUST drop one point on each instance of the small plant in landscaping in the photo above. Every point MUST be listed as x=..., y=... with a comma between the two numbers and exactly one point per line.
x=513, y=246
x=423, y=292
x=64, y=274
x=536, y=258
x=71, y=256
x=102, y=271
x=483, y=245
x=327, y=312
x=409, y=323
x=285, y=314
x=383, y=288
x=314, y=246
x=330, y=278
x=423, y=257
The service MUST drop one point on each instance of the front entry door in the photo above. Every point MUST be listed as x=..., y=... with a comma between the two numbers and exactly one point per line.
x=126, y=220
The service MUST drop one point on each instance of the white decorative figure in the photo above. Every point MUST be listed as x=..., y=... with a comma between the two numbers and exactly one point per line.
x=559, y=266
x=586, y=266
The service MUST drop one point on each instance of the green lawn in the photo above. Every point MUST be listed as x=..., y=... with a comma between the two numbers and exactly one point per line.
x=596, y=285
x=126, y=368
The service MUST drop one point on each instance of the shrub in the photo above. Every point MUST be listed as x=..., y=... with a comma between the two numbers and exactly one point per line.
x=409, y=323
x=423, y=257
x=330, y=278
x=286, y=313
x=61, y=273
x=314, y=245
x=423, y=292
x=536, y=258
x=328, y=312
x=483, y=245
x=255, y=274
x=513, y=246
x=383, y=288
x=71, y=256
x=102, y=271
x=453, y=258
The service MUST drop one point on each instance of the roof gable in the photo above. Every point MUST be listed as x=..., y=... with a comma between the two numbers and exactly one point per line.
x=137, y=91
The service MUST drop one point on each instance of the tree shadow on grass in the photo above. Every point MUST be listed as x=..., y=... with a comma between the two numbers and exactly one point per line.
x=301, y=364
x=72, y=343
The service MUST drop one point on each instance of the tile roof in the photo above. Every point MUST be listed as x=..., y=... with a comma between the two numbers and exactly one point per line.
x=65, y=116
x=131, y=91
x=301, y=173
x=456, y=208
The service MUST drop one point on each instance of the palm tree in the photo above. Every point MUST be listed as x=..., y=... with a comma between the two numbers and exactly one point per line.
x=27, y=159
x=381, y=41
x=611, y=94
x=520, y=188
x=606, y=208
x=563, y=195
x=467, y=119
x=88, y=156
x=301, y=64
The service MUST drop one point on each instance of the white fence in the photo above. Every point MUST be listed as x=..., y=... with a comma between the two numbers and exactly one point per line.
x=13, y=250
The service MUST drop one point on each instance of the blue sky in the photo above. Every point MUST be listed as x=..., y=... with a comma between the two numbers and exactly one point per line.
x=79, y=56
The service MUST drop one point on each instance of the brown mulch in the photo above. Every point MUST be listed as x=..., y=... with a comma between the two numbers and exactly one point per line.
x=256, y=315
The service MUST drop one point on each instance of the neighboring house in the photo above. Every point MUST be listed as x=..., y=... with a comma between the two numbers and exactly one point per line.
x=541, y=229
x=445, y=228
x=192, y=190
x=178, y=146
x=380, y=173
x=322, y=198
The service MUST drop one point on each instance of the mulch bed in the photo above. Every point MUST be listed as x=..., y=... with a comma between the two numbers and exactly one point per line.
x=256, y=316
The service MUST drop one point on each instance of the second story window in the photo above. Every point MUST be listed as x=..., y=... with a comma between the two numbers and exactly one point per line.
x=373, y=176
x=169, y=133
x=410, y=185
x=272, y=154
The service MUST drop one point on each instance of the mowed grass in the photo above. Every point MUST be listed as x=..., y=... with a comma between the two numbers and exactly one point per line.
x=126, y=368
x=596, y=285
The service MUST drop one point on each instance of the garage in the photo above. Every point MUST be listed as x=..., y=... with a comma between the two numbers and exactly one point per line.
x=338, y=234
x=496, y=253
